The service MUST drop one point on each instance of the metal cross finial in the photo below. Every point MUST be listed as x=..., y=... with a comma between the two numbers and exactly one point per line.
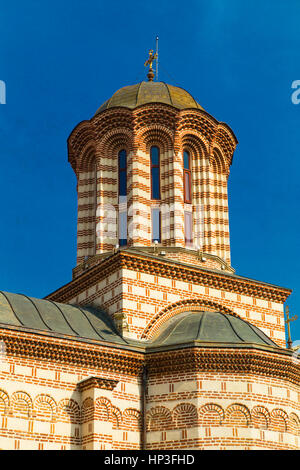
x=288, y=321
x=149, y=62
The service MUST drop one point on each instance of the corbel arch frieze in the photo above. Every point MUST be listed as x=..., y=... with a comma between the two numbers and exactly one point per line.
x=226, y=141
x=82, y=137
x=194, y=121
x=110, y=120
x=214, y=412
x=86, y=160
x=195, y=143
x=238, y=413
x=260, y=417
x=21, y=404
x=158, y=135
x=218, y=162
x=4, y=401
x=113, y=141
x=154, y=115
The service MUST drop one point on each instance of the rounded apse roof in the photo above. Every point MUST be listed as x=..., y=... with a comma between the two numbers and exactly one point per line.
x=210, y=327
x=150, y=92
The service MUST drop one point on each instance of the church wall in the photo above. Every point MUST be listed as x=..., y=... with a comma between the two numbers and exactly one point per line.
x=222, y=411
x=146, y=295
x=141, y=297
x=42, y=407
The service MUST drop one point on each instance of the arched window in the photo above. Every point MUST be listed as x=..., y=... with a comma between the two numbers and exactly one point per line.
x=155, y=173
x=122, y=161
x=187, y=177
x=122, y=173
x=187, y=192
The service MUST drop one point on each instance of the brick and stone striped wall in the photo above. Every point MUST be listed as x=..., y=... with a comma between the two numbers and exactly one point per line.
x=146, y=292
x=52, y=397
x=93, y=153
x=222, y=411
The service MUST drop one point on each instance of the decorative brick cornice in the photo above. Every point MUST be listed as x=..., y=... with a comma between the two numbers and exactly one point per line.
x=96, y=259
x=97, y=382
x=90, y=277
x=158, y=266
x=139, y=120
x=108, y=358
x=227, y=361
x=224, y=359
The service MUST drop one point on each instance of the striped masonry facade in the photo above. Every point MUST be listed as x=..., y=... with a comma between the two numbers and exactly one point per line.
x=93, y=151
x=63, y=402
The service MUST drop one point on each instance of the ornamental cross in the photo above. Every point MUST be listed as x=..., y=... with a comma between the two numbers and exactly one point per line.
x=288, y=321
x=149, y=62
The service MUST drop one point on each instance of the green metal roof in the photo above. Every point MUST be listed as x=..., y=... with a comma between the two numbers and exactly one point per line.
x=210, y=327
x=18, y=311
x=53, y=317
x=150, y=92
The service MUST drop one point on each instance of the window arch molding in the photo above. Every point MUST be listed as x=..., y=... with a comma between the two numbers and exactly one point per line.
x=156, y=143
x=114, y=141
x=161, y=137
x=195, y=145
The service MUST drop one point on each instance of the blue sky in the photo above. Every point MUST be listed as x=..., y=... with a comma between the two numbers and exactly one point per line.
x=61, y=60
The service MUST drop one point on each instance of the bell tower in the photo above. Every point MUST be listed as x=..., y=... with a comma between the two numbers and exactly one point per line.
x=152, y=168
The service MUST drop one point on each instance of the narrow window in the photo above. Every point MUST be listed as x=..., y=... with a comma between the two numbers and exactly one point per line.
x=122, y=197
x=155, y=173
x=122, y=173
x=188, y=227
x=187, y=178
x=156, y=225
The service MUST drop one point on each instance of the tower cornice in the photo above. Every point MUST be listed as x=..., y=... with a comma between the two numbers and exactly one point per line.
x=89, y=133
x=158, y=265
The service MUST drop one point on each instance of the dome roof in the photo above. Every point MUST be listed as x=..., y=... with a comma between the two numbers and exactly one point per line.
x=150, y=92
x=210, y=327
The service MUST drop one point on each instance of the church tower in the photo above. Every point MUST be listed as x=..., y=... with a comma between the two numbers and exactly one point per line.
x=156, y=343
x=152, y=168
